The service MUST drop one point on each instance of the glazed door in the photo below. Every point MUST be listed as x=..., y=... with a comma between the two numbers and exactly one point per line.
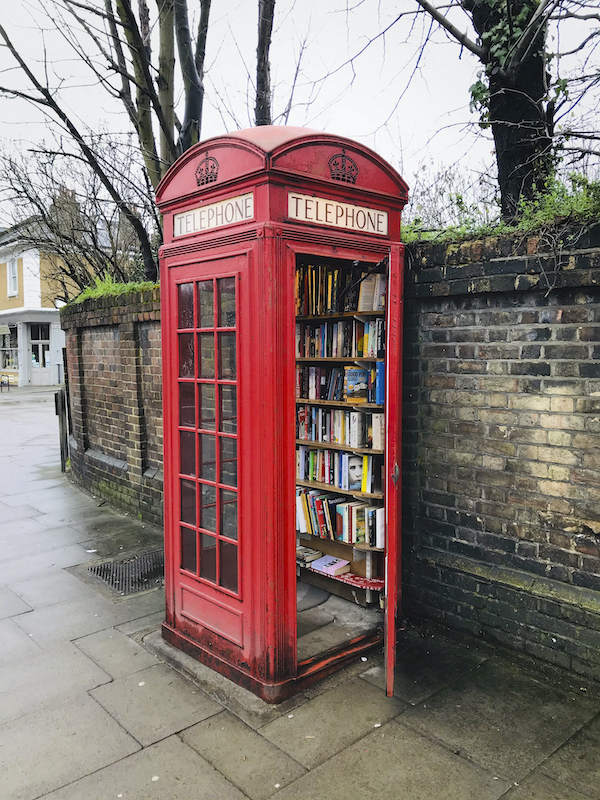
x=202, y=510
x=393, y=449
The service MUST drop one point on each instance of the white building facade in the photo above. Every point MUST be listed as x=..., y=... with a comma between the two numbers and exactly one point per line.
x=31, y=339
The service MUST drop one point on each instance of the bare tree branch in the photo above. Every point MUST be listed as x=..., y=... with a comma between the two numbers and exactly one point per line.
x=461, y=37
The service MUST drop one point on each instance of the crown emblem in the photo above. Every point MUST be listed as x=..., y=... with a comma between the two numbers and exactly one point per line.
x=343, y=168
x=207, y=170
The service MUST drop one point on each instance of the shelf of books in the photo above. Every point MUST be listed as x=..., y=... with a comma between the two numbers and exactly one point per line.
x=340, y=425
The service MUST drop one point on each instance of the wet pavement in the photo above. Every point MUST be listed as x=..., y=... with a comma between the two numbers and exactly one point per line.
x=92, y=706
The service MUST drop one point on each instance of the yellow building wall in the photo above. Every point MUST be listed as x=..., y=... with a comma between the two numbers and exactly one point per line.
x=7, y=303
x=49, y=285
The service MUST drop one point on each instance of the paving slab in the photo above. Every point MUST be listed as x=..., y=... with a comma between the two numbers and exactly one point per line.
x=11, y=604
x=322, y=727
x=141, y=604
x=12, y=513
x=538, y=787
x=143, y=625
x=16, y=644
x=51, y=499
x=395, y=763
x=502, y=718
x=67, y=620
x=116, y=653
x=40, y=541
x=34, y=683
x=154, y=703
x=169, y=770
x=242, y=755
x=577, y=762
x=20, y=569
x=54, y=746
x=424, y=664
x=47, y=590
x=19, y=528
x=247, y=706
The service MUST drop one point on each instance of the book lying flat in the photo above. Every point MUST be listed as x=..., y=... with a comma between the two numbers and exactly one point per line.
x=331, y=566
x=307, y=554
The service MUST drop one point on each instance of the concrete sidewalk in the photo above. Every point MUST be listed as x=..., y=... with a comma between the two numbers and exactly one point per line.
x=91, y=708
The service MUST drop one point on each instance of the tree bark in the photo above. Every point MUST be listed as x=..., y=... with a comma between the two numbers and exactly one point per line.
x=166, y=75
x=266, y=12
x=190, y=129
x=520, y=122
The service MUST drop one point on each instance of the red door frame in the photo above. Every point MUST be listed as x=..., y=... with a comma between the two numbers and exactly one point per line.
x=270, y=163
x=274, y=636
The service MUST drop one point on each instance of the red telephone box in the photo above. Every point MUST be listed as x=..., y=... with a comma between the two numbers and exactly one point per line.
x=274, y=238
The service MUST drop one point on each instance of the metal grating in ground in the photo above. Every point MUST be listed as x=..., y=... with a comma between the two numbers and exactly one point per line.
x=134, y=574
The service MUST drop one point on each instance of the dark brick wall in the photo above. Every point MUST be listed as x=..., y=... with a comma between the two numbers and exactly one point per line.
x=502, y=442
x=501, y=434
x=114, y=366
x=150, y=393
x=103, y=397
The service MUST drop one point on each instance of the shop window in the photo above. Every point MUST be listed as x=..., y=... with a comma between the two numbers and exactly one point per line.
x=9, y=350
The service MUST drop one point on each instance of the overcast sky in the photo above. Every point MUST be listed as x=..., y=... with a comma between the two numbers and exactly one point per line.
x=411, y=110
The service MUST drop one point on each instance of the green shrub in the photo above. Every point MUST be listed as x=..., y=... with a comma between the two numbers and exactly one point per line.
x=108, y=287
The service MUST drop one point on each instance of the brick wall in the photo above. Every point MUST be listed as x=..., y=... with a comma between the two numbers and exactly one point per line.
x=501, y=434
x=114, y=368
x=502, y=442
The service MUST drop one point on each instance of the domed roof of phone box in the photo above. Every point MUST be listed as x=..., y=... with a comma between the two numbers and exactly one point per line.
x=282, y=152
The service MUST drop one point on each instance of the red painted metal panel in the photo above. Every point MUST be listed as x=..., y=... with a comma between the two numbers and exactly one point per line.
x=393, y=477
x=248, y=630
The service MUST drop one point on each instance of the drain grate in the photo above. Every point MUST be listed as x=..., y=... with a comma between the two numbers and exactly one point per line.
x=135, y=574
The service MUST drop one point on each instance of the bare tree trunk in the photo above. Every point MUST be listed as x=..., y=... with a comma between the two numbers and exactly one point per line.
x=166, y=75
x=521, y=125
x=266, y=11
x=190, y=130
x=143, y=104
x=200, y=54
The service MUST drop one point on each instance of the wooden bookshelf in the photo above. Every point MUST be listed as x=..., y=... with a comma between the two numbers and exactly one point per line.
x=329, y=487
x=330, y=360
x=339, y=315
x=341, y=404
x=319, y=333
x=343, y=447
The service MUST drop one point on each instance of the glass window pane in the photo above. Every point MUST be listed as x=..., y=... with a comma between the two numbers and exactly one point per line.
x=185, y=305
x=228, y=409
x=45, y=331
x=226, y=302
x=208, y=557
x=35, y=354
x=229, y=461
x=188, y=502
x=187, y=452
x=227, y=352
x=187, y=411
x=35, y=332
x=207, y=457
x=46, y=355
x=206, y=305
x=207, y=355
x=188, y=549
x=228, y=563
x=208, y=510
x=206, y=400
x=186, y=355
x=229, y=514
